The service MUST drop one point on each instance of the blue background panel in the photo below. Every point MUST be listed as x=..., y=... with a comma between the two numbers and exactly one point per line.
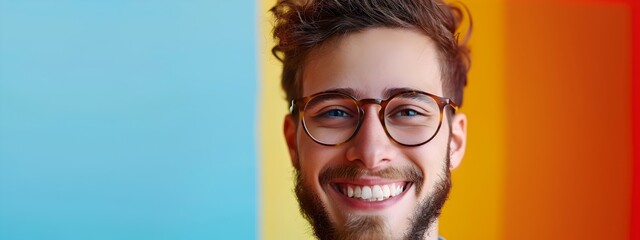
x=127, y=120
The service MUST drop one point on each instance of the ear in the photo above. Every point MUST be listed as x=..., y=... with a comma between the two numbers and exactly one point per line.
x=458, y=142
x=290, y=136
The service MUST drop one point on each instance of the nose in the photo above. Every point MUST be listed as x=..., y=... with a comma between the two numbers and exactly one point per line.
x=371, y=147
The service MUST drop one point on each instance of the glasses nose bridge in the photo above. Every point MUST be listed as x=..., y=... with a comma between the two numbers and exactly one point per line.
x=367, y=101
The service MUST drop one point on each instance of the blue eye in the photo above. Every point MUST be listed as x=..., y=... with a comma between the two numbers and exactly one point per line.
x=336, y=113
x=408, y=112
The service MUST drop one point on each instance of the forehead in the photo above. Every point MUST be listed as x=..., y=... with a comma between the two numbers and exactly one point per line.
x=373, y=61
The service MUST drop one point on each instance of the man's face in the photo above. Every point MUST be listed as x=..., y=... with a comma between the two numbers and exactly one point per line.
x=368, y=64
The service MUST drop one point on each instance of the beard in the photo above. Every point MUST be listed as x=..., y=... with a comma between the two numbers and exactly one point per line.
x=372, y=227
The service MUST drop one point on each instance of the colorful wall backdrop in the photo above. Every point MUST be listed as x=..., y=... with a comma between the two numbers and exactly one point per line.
x=163, y=120
x=553, y=105
x=128, y=119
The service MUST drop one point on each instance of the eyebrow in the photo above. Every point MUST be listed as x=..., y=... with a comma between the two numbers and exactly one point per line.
x=388, y=92
x=348, y=91
x=392, y=91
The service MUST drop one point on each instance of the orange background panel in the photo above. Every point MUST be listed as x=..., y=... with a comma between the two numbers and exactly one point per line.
x=568, y=130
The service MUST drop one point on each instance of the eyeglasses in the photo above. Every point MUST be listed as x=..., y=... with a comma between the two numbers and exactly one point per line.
x=409, y=118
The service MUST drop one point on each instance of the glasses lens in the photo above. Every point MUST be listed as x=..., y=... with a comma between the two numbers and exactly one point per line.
x=331, y=118
x=412, y=118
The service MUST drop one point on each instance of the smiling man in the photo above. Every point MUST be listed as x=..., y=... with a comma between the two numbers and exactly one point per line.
x=373, y=131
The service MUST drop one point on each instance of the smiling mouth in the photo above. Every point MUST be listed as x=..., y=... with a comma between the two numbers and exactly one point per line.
x=371, y=193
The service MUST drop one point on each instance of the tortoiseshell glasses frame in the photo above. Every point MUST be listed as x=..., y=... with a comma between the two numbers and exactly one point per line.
x=299, y=105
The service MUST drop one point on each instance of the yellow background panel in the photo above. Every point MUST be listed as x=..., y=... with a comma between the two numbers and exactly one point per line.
x=474, y=209
x=280, y=218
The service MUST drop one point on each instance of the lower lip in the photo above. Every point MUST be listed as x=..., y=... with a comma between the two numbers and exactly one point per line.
x=360, y=204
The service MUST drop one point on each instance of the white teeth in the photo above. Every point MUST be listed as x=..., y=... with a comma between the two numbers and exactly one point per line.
x=373, y=193
x=385, y=191
x=366, y=192
x=400, y=189
x=376, y=192
x=392, y=190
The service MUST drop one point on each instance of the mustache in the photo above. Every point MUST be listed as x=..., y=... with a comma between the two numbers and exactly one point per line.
x=409, y=173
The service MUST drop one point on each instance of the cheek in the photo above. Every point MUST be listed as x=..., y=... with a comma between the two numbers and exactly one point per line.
x=314, y=157
x=431, y=159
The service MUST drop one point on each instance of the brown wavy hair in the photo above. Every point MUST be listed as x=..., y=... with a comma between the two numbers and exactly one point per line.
x=303, y=25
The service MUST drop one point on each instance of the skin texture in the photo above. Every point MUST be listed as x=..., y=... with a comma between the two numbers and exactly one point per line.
x=371, y=62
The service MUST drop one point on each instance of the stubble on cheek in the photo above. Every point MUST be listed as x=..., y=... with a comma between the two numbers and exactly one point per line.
x=371, y=227
x=312, y=208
